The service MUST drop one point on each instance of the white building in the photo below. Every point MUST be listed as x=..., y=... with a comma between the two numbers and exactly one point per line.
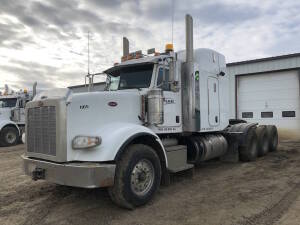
x=267, y=91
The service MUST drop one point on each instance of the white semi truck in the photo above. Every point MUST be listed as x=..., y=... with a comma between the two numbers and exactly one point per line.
x=160, y=114
x=12, y=115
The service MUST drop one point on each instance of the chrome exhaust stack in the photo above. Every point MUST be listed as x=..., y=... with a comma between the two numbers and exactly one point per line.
x=125, y=46
x=189, y=41
x=34, y=89
x=188, y=84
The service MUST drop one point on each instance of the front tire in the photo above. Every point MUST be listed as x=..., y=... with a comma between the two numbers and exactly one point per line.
x=137, y=177
x=9, y=136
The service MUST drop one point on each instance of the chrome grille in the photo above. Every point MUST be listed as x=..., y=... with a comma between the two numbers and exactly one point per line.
x=41, y=130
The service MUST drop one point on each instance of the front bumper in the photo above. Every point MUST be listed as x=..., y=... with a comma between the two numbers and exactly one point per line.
x=86, y=174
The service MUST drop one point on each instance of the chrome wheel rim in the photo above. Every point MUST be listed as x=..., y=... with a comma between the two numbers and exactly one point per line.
x=142, y=177
x=11, y=137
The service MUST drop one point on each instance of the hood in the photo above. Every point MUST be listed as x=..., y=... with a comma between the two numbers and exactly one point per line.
x=87, y=112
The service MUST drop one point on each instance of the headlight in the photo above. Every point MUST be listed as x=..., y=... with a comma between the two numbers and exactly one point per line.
x=81, y=142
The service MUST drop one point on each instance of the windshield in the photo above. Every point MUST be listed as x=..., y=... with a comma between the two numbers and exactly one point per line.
x=8, y=102
x=130, y=77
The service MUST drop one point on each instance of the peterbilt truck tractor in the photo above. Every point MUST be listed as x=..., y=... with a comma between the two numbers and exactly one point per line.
x=12, y=115
x=161, y=113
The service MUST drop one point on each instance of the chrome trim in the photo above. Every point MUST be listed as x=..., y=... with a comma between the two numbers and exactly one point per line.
x=61, y=128
x=85, y=175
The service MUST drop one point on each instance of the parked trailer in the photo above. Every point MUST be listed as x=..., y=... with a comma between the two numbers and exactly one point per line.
x=160, y=114
x=12, y=115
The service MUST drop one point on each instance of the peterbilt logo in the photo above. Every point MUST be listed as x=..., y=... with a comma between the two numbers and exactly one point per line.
x=112, y=104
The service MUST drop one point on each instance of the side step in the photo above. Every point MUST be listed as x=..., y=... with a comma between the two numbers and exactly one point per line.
x=177, y=158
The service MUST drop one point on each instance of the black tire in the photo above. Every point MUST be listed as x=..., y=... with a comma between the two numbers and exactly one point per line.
x=248, y=150
x=272, y=134
x=124, y=192
x=9, y=136
x=262, y=141
x=193, y=149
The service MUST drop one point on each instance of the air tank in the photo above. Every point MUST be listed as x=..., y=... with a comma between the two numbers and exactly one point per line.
x=155, y=105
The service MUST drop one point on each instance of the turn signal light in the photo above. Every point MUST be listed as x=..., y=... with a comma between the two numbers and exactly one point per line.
x=84, y=142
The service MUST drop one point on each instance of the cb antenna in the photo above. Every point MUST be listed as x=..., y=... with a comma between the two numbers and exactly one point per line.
x=88, y=59
x=172, y=2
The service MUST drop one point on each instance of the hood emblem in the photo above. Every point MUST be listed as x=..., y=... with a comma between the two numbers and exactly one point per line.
x=112, y=104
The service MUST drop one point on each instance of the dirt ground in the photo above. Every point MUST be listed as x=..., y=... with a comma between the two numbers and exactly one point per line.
x=263, y=192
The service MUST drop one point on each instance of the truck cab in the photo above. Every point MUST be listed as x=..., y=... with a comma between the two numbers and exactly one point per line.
x=12, y=116
x=160, y=114
x=7, y=103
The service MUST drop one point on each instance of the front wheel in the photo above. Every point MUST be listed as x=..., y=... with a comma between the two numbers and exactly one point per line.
x=9, y=136
x=137, y=177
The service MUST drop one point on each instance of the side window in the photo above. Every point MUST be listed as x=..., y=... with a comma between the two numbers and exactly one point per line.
x=165, y=86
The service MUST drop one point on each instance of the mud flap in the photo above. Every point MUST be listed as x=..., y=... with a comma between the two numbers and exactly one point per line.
x=38, y=174
x=232, y=154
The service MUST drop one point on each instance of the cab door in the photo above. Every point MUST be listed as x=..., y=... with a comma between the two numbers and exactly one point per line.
x=172, y=106
x=213, y=101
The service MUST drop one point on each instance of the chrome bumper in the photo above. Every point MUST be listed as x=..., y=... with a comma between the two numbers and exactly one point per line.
x=86, y=175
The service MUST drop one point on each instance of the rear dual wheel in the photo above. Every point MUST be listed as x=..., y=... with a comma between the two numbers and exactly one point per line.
x=248, y=150
x=258, y=142
x=262, y=140
x=272, y=135
x=267, y=139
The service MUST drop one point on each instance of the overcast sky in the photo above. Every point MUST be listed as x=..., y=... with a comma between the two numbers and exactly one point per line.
x=46, y=41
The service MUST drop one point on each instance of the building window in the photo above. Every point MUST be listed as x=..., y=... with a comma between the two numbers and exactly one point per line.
x=247, y=114
x=266, y=114
x=288, y=114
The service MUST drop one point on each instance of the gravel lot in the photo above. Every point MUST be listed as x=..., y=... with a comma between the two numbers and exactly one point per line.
x=263, y=192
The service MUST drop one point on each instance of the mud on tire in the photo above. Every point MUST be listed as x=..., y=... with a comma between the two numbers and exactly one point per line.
x=248, y=151
x=272, y=134
x=262, y=141
x=132, y=186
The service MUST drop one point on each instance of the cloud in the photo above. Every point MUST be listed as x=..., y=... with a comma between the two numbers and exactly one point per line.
x=46, y=41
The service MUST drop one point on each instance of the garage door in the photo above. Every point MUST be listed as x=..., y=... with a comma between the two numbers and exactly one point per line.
x=271, y=98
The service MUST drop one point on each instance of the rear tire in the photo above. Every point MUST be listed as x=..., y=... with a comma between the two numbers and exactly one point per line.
x=137, y=177
x=9, y=136
x=272, y=137
x=248, y=150
x=262, y=141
